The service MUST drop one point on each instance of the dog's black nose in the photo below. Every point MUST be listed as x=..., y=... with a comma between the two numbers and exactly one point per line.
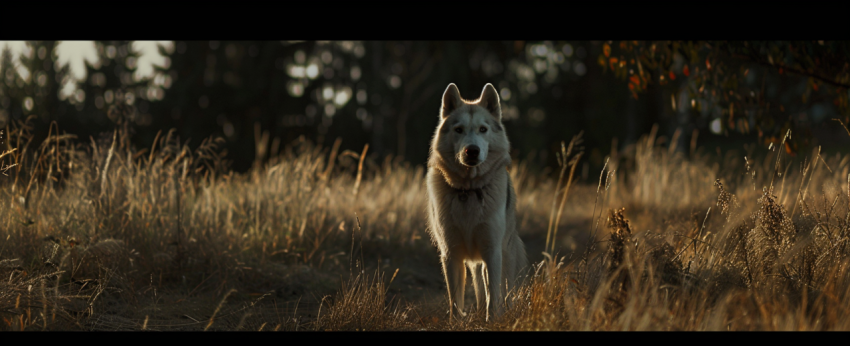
x=472, y=151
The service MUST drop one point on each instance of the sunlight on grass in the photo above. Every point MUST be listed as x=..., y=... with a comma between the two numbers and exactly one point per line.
x=103, y=236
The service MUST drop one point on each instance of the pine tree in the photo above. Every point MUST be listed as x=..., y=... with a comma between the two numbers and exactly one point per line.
x=221, y=88
x=11, y=99
x=107, y=95
x=45, y=80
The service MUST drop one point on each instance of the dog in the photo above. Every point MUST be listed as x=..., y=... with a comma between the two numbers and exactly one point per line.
x=472, y=202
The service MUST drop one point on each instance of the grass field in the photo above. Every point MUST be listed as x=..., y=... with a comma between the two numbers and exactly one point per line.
x=97, y=235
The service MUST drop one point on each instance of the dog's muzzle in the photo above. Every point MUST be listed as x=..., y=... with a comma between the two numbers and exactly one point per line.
x=470, y=156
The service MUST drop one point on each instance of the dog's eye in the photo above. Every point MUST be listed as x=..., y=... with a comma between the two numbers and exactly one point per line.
x=482, y=129
x=459, y=130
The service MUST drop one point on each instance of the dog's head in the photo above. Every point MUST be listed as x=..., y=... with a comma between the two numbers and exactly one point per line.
x=471, y=130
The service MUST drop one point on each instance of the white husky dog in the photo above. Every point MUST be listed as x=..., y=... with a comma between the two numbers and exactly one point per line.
x=472, y=203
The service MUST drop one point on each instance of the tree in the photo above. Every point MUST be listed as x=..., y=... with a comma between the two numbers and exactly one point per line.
x=216, y=88
x=109, y=85
x=11, y=93
x=370, y=92
x=749, y=87
x=228, y=87
x=45, y=80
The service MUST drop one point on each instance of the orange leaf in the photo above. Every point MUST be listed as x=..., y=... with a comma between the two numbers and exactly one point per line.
x=790, y=150
x=606, y=49
x=611, y=62
x=672, y=76
x=707, y=64
x=686, y=71
x=635, y=80
x=631, y=86
x=815, y=86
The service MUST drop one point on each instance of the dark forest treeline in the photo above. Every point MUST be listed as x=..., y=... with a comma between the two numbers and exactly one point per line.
x=387, y=93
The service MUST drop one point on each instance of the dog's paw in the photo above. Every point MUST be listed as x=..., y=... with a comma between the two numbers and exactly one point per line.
x=456, y=313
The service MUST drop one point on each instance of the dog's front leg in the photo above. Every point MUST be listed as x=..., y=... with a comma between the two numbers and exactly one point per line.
x=455, y=273
x=476, y=270
x=492, y=256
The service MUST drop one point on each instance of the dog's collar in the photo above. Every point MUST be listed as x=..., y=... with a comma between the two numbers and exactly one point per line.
x=463, y=194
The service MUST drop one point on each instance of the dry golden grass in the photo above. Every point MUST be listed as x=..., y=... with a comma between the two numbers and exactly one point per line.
x=103, y=236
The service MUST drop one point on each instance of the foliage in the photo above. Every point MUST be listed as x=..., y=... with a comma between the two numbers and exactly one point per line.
x=752, y=86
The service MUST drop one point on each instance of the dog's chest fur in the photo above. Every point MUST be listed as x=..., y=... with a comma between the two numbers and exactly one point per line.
x=463, y=212
x=470, y=208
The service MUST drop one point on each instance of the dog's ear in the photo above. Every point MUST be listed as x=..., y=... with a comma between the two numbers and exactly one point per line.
x=490, y=101
x=451, y=100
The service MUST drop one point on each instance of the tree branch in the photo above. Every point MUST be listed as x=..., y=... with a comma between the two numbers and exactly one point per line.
x=794, y=70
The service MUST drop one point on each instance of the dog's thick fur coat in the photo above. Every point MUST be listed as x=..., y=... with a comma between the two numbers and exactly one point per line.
x=471, y=201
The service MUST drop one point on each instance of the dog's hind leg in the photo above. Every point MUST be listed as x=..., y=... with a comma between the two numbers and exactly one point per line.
x=477, y=271
x=455, y=273
x=515, y=262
